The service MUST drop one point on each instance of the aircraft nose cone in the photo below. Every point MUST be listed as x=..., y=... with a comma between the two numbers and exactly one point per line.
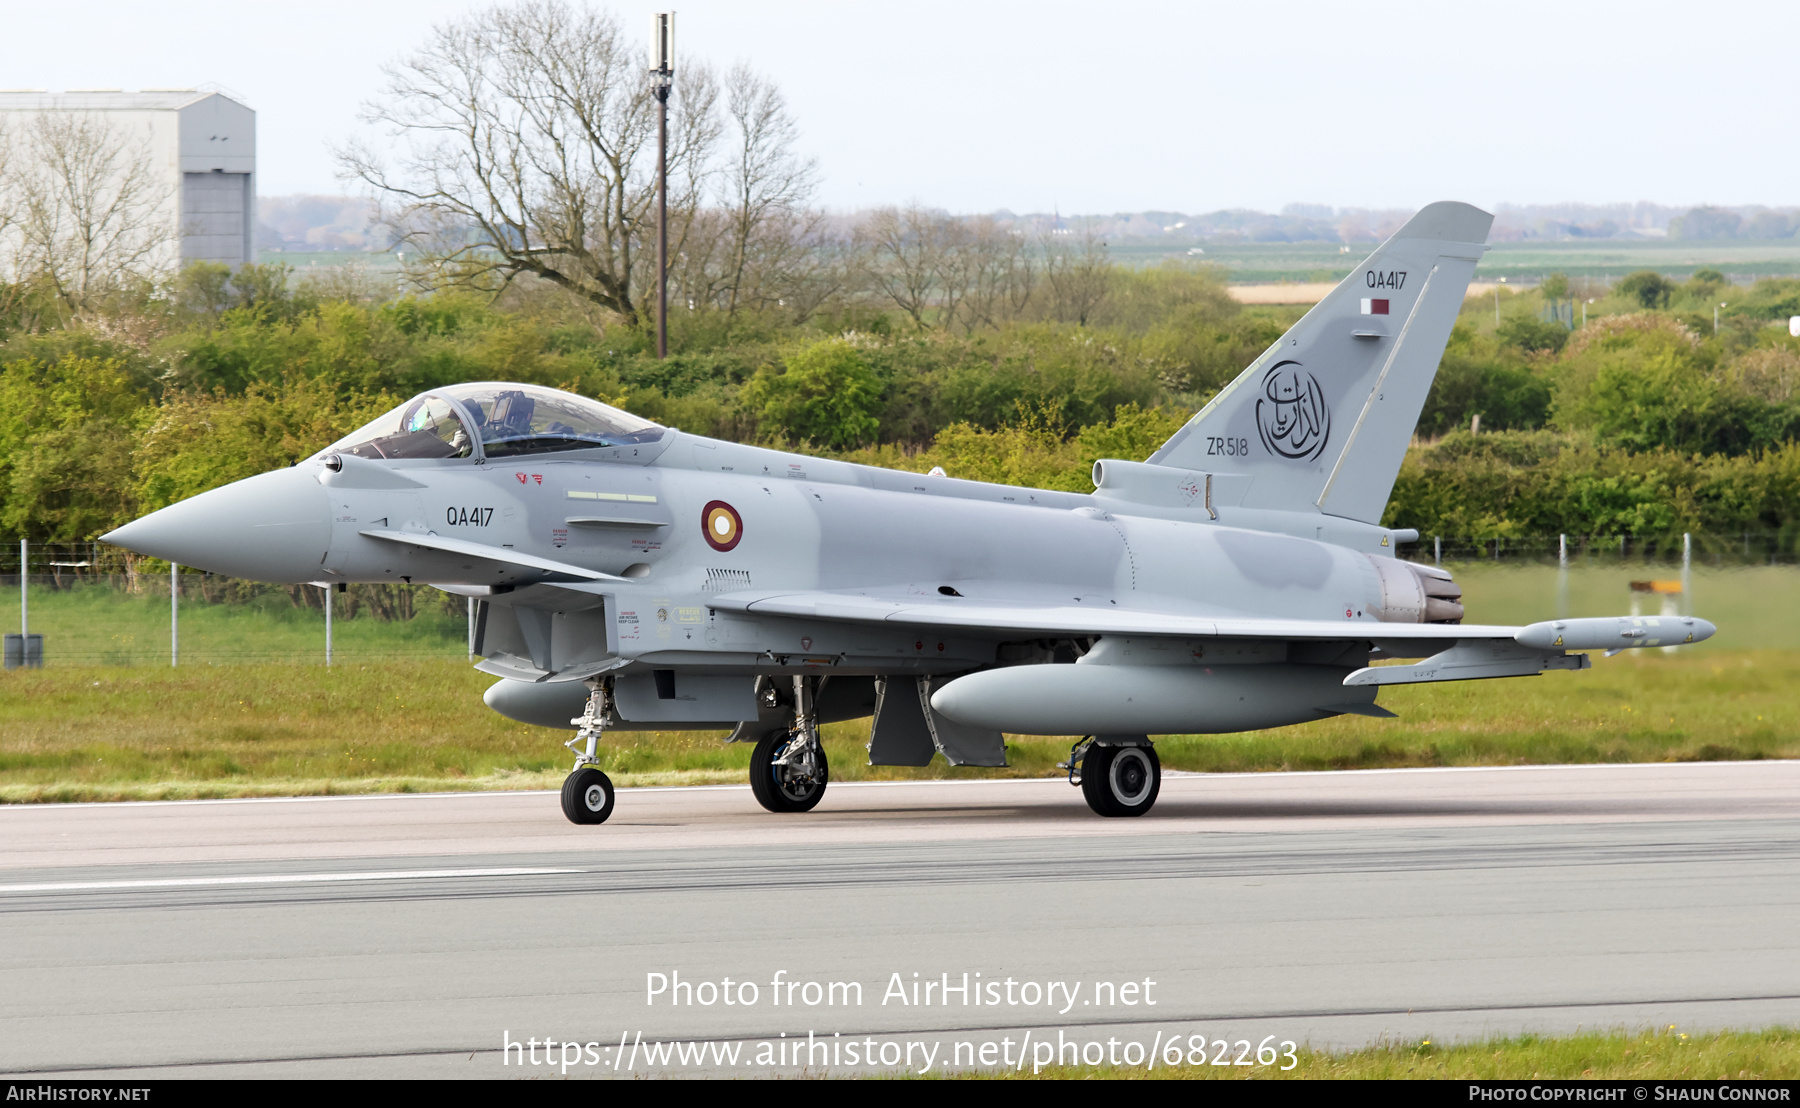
x=273, y=527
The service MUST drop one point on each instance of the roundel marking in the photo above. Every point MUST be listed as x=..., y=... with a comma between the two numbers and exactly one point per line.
x=721, y=524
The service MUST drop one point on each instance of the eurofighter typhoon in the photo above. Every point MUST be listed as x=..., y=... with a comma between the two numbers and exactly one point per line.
x=633, y=577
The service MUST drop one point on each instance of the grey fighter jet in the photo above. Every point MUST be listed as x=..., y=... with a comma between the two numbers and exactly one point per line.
x=630, y=576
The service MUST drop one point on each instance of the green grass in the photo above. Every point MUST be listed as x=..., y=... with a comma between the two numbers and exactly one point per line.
x=99, y=733
x=1667, y=1054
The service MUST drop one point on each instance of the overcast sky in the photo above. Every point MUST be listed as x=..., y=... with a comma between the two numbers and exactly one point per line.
x=1102, y=106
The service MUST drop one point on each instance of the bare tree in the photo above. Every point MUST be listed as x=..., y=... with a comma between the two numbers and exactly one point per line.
x=768, y=186
x=955, y=272
x=9, y=194
x=699, y=260
x=521, y=137
x=1077, y=273
x=752, y=242
x=825, y=266
x=999, y=272
x=905, y=254
x=10, y=253
x=694, y=231
x=84, y=211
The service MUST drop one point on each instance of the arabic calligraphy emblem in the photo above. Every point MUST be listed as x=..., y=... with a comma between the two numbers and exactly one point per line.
x=1292, y=414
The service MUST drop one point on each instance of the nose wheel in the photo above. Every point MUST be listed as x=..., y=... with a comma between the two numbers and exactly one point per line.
x=587, y=796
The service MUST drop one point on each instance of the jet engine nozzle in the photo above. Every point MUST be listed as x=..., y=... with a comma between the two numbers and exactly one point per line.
x=1416, y=593
x=273, y=527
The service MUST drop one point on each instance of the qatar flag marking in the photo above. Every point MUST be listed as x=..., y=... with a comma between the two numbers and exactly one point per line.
x=1374, y=307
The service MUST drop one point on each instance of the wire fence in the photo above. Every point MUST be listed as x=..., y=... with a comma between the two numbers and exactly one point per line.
x=96, y=605
x=1749, y=548
x=71, y=565
x=93, y=605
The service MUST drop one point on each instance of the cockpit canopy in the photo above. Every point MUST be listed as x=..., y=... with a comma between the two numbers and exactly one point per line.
x=508, y=420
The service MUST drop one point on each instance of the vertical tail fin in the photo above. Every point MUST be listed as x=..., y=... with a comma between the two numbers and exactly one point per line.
x=1321, y=421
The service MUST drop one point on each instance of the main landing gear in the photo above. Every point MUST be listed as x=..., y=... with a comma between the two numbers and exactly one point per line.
x=1119, y=775
x=587, y=794
x=788, y=772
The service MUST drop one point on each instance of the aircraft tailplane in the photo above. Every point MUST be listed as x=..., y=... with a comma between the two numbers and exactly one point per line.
x=1321, y=421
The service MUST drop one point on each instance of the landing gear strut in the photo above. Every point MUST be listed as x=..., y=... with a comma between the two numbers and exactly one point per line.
x=1118, y=775
x=587, y=794
x=788, y=772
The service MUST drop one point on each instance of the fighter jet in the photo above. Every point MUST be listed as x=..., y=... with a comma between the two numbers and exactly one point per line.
x=631, y=576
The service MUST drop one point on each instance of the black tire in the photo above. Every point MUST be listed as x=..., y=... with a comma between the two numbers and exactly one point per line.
x=790, y=788
x=587, y=796
x=1121, y=780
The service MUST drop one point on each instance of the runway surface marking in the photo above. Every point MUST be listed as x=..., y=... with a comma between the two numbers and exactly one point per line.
x=448, y=824
x=902, y=865
x=1168, y=774
x=279, y=879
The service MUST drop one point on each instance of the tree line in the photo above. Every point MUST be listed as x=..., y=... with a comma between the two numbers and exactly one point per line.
x=1642, y=420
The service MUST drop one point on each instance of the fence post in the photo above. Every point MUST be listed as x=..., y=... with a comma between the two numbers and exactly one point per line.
x=24, y=597
x=174, y=616
x=1437, y=548
x=471, y=629
x=328, y=603
x=1562, y=576
x=1687, y=573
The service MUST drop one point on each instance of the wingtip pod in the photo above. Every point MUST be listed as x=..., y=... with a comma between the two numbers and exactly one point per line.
x=1614, y=632
x=1448, y=221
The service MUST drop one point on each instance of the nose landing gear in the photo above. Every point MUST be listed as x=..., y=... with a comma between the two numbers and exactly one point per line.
x=788, y=771
x=587, y=793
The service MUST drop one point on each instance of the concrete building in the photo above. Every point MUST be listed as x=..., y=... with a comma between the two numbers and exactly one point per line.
x=205, y=142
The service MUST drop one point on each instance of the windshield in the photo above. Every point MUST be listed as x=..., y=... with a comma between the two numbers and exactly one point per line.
x=528, y=419
x=423, y=427
x=511, y=419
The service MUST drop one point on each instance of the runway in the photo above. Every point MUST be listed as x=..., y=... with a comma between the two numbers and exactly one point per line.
x=415, y=935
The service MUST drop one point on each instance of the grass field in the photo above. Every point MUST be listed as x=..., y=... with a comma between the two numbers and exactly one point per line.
x=1667, y=1054
x=384, y=721
x=80, y=733
x=1754, y=607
